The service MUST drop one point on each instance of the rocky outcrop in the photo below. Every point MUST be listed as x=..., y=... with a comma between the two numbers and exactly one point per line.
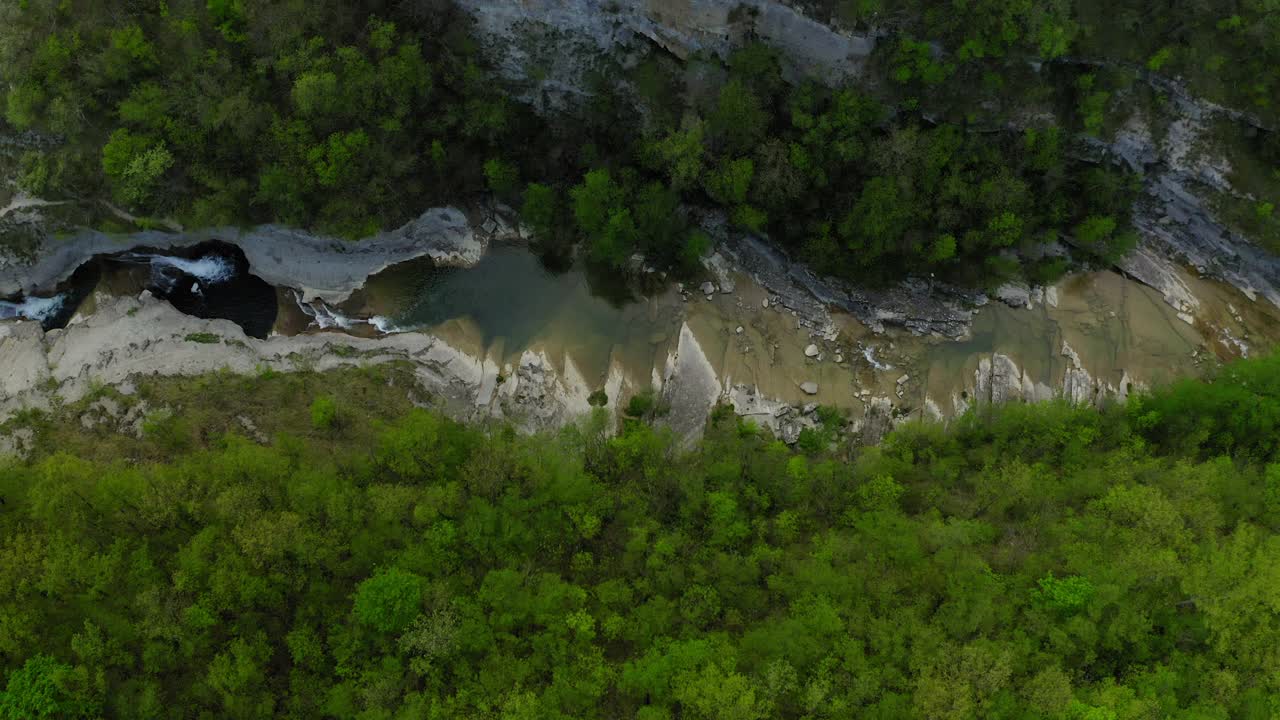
x=537, y=396
x=1171, y=217
x=1158, y=272
x=23, y=363
x=878, y=419
x=128, y=337
x=690, y=387
x=1175, y=224
x=319, y=267
x=547, y=49
x=919, y=306
x=785, y=421
x=998, y=380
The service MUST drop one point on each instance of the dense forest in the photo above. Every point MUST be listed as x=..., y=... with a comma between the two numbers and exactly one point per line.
x=379, y=561
x=955, y=158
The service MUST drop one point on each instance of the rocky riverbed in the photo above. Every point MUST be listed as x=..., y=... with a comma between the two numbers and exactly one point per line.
x=761, y=333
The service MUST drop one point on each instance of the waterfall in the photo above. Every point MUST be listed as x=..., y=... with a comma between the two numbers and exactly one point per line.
x=869, y=353
x=327, y=317
x=32, y=308
x=210, y=269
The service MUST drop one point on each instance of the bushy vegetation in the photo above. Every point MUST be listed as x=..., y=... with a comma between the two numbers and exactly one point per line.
x=1229, y=51
x=1033, y=561
x=863, y=185
x=227, y=112
x=961, y=153
x=316, y=114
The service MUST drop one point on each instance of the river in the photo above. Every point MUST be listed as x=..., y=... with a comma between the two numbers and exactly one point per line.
x=1090, y=336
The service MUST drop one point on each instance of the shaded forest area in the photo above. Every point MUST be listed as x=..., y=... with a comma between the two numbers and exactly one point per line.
x=378, y=561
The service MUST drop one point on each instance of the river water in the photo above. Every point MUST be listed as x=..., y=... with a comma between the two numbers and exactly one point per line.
x=1119, y=332
x=511, y=302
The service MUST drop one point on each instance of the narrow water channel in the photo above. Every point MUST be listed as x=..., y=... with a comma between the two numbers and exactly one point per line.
x=510, y=304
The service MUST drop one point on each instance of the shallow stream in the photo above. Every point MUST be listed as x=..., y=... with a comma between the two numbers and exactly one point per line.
x=1118, y=331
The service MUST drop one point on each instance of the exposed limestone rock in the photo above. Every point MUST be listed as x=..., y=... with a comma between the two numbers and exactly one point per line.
x=999, y=380
x=1172, y=220
x=538, y=397
x=1016, y=295
x=320, y=267
x=103, y=411
x=877, y=420
x=784, y=421
x=251, y=429
x=547, y=49
x=23, y=363
x=1077, y=383
x=17, y=442
x=129, y=337
x=1051, y=296
x=919, y=306
x=690, y=388
x=723, y=270
x=931, y=411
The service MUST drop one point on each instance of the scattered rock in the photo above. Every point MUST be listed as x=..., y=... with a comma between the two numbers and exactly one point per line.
x=1051, y=296
x=903, y=380
x=809, y=388
x=134, y=420
x=811, y=351
x=790, y=433
x=17, y=442
x=252, y=430
x=1014, y=295
x=708, y=288
x=108, y=406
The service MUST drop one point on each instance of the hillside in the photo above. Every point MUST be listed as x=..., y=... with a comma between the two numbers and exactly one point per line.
x=362, y=558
